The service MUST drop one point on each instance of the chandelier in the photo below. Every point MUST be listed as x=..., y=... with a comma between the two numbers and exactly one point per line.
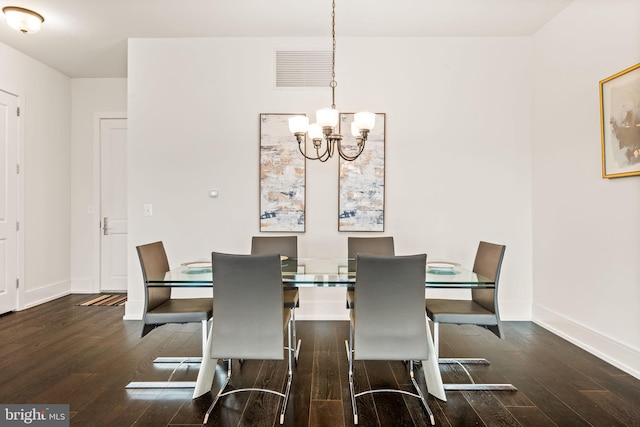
x=322, y=132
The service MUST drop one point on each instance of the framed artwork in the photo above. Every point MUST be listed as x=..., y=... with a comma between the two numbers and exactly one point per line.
x=282, y=176
x=620, y=123
x=361, y=182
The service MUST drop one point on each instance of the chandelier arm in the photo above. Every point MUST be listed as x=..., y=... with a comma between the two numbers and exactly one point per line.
x=320, y=157
x=348, y=158
x=331, y=146
x=325, y=156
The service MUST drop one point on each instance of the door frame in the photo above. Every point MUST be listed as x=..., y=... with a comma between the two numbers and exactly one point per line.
x=97, y=177
x=20, y=294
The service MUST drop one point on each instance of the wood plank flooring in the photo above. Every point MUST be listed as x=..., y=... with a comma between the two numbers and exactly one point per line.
x=84, y=356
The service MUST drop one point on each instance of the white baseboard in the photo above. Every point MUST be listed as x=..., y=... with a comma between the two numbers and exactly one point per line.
x=515, y=311
x=33, y=297
x=322, y=304
x=614, y=352
x=133, y=310
x=82, y=286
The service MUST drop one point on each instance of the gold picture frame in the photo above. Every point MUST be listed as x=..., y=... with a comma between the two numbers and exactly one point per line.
x=620, y=123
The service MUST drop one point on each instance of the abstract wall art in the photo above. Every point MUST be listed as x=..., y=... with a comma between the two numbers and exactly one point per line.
x=282, y=176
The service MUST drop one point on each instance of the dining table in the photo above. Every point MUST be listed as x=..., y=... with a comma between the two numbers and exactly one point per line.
x=319, y=273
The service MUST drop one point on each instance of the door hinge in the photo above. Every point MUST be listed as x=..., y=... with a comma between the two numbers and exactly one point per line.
x=17, y=226
x=18, y=111
x=18, y=169
x=17, y=283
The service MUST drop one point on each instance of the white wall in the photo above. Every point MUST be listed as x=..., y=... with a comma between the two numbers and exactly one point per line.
x=494, y=139
x=89, y=99
x=458, y=164
x=45, y=134
x=586, y=229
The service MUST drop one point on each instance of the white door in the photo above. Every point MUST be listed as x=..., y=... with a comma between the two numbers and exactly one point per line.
x=113, y=205
x=8, y=202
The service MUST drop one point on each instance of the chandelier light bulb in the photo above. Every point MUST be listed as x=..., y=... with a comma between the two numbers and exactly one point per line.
x=298, y=124
x=327, y=117
x=364, y=120
x=315, y=131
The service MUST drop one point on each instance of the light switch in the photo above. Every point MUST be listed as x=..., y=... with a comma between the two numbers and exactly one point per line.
x=148, y=209
x=213, y=193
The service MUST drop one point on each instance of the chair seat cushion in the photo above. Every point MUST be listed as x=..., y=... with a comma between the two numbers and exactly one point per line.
x=291, y=298
x=181, y=310
x=458, y=312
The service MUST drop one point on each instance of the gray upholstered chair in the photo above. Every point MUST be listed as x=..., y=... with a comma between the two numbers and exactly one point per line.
x=389, y=322
x=250, y=317
x=369, y=246
x=159, y=307
x=482, y=308
x=285, y=246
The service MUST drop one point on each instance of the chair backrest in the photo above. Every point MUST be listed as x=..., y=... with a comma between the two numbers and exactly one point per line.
x=248, y=307
x=154, y=263
x=390, y=321
x=488, y=263
x=368, y=246
x=283, y=245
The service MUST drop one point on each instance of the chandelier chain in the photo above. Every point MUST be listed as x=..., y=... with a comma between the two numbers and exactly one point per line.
x=333, y=55
x=326, y=141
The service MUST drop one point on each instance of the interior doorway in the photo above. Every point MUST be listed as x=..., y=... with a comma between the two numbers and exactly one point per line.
x=113, y=204
x=9, y=227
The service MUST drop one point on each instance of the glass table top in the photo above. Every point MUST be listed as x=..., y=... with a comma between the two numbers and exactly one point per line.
x=321, y=272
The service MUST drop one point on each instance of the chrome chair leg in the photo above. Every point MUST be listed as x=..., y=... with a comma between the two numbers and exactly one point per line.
x=472, y=386
x=289, y=373
x=296, y=342
x=284, y=395
x=418, y=394
x=351, y=382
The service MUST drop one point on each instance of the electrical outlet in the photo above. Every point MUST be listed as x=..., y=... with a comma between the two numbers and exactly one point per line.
x=148, y=209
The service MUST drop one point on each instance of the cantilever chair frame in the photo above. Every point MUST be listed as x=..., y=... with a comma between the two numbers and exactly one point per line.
x=493, y=325
x=284, y=246
x=386, y=335
x=155, y=252
x=234, y=275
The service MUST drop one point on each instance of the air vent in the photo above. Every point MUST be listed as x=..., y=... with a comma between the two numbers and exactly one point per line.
x=299, y=68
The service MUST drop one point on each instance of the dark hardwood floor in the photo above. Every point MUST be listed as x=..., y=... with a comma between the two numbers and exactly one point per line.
x=84, y=356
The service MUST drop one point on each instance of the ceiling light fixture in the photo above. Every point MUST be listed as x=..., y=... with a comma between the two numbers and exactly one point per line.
x=23, y=20
x=327, y=120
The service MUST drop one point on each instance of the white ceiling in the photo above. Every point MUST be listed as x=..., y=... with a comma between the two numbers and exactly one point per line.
x=88, y=38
